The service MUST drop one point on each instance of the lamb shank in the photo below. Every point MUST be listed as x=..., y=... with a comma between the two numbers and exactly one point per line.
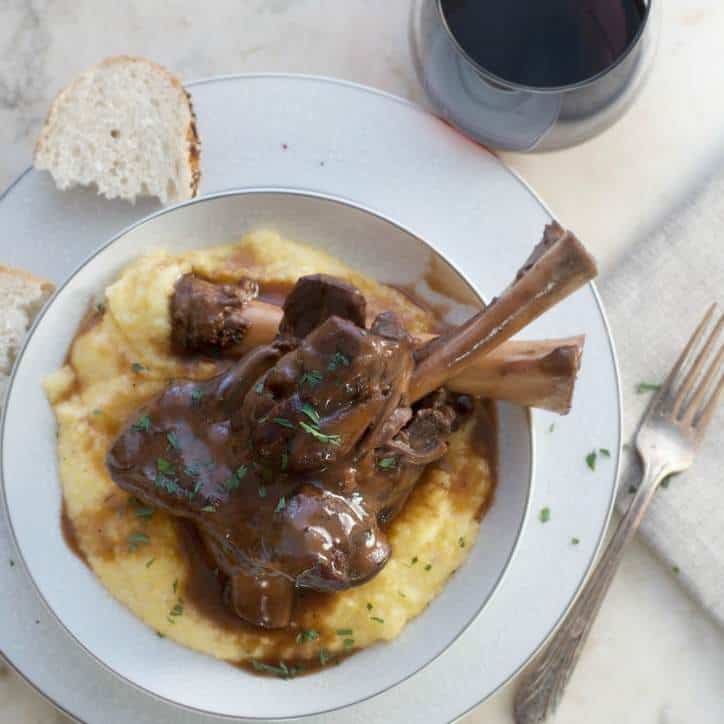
x=292, y=463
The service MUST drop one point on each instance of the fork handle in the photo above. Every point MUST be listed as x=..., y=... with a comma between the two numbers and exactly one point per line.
x=542, y=686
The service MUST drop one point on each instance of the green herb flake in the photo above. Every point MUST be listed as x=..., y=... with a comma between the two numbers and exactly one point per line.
x=196, y=395
x=137, y=367
x=401, y=594
x=312, y=378
x=174, y=585
x=369, y=606
x=575, y=541
x=144, y=512
x=283, y=422
x=165, y=467
x=208, y=509
x=552, y=427
x=344, y=632
x=281, y=505
x=545, y=515
x=259, y=388
x=323, y=656
x=377, y=619
x=632, y=489
x=644, y=387
x=339, y=360
x=307, y=635
x=137, y=539
x=97, y=411
x=262, y=490
x=676, y=570
x=461, y=542
x=348, y=643
x=177, y=610
x=428, y=566
x=413, y=560
x=319, y=435
x=311, y=413
x=591, y=460
x=605, y=452
x=160, y=635
x=173, y=440
x=387, y=463
x=143, y=424
x=285, y=461
x=282, y=671
x=150, y=562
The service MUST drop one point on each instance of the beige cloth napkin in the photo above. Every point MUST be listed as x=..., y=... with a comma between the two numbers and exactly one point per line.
x=654, y=298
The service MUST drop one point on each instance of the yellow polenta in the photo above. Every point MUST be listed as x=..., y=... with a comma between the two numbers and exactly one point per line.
x=124, y=359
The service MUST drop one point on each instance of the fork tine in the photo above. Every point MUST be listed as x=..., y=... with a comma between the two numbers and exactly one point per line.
x=708, y=413
x=684, y=356
x=711, y=375
x=695, y=370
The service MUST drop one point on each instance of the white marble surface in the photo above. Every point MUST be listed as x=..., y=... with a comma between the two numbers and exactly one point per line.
x=654, y=657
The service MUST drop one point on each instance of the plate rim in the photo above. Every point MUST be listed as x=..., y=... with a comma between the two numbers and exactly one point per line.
x=330, y=80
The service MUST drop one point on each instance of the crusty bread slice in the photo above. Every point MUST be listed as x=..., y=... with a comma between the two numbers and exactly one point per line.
x=21, y=297
x=126, y=126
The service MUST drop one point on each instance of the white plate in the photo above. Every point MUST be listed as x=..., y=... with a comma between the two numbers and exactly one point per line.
x=392, y=157
x=33, y=495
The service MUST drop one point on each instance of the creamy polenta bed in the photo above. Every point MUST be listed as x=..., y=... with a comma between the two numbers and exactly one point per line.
x=275, y=460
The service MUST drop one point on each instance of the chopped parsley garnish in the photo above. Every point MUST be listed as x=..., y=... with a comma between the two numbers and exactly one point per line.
x=262, y=490
x=591, y=460
x=311, y=413
x=402, y=595
x=632, y=489
x=285, y=460
x=177, y=610
x=676, y=570
x=369, y=606
x=312, y=378
x=545, y=515
x=377, y=618
x=344, y=632
x=165, y=467
x=137, y=539
x=605, y=452
x=552, y=427
x=259, y=388
x=160, y=635
x=143, y=424
x=323, y=656
x=208, y=509
x=282, y=671
x=575, y=541
x=173, y=440
x=149, y=562
x=97, y=411
x=307, y=635
x=643, y=387
x=461, y=542
x=348, y=643
x=387, y=463
x=280, y=505
x=319, y=435
x=174, y=585
x=428, y=566
x=414, y=560
x=196, y=395
x=137, y=367
x=235, y=480
x=169, y=485
x=143, y=512
x=339, y=360
x=283, y=422
x=193, y=470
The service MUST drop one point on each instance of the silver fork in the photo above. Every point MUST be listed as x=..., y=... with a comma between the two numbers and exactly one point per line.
x=669, y=435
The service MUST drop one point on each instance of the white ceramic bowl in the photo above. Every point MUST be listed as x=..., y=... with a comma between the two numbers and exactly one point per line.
x=104, y=628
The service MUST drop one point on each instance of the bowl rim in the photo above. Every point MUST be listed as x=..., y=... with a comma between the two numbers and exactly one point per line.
x=231, y=192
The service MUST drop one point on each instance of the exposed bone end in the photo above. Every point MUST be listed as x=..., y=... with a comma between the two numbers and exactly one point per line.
x=533, y=374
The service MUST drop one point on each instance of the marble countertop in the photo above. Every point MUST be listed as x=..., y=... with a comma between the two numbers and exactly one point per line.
x=654, y=657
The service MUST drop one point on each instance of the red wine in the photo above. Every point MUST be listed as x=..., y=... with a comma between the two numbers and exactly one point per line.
x=544, y=43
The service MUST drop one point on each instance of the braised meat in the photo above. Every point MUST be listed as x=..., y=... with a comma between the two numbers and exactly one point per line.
x=292, y=462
